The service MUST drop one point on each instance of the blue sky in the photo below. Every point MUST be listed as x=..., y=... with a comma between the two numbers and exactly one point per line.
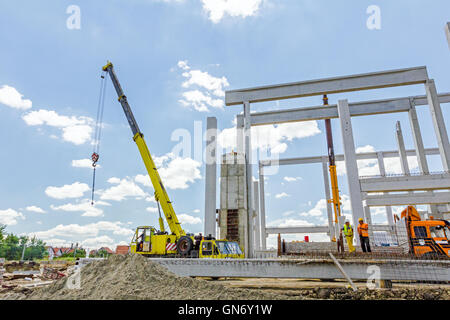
x=174, y=60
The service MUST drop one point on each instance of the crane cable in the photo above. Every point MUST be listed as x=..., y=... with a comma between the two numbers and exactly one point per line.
x=98, y=130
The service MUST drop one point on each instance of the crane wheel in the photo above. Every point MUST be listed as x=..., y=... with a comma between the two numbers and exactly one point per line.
x=185, y=245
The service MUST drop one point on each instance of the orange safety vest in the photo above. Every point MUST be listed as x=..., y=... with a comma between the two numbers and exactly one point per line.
x=363, y=230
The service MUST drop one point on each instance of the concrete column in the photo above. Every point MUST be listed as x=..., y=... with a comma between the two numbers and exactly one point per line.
x=210, y=176
x=256, y=223
x=420, y=149
x=368, y=220
x=249, y=177
x=402, y=149
x=262, y=206
x=418, y=141
x=382, y=168
x=240, y=135
x=447, y=32
x=350, y=161
x=326, y=182
x=438, y=123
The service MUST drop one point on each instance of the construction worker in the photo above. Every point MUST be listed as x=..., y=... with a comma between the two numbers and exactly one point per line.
x=363, y=230
x=348, y=233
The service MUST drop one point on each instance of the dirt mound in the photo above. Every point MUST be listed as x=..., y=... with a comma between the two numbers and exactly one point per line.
x=133, y=277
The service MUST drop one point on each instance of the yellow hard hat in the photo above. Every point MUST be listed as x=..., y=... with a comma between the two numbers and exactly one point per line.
x=361, y=219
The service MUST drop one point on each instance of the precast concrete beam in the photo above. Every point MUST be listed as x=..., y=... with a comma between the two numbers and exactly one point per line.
x=407, y=199
x=295, y=230
x=364, y=108
x=406, y=183
x=340, y=157
x=307, y=268
x=375, y=80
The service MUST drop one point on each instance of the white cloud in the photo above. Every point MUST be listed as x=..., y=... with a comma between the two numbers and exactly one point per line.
x=282, y=195
x=123, y=189
x=77, y=134
x=187, y=219
x=208, y=90
x=200, y=101
x=10, y=97
x=87, y=230
x=10, y=216
x=204, y=80
x=271, y=137
x=98, y=242
x=234, y=8
x=83, y=163
x=317, y=211
x=83, y=206
x=35, y=209
x=77, y=130
x=152, y=209
x=292, y=179
x=74, y=190
x=196, y=211
x=175, y=172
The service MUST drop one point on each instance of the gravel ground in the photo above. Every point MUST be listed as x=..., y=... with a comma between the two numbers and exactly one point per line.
x=133, y=277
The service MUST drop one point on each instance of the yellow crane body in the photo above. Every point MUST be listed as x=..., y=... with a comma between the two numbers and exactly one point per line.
x=149, y=241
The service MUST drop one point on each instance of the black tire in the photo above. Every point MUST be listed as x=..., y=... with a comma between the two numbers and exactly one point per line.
x=185, y=245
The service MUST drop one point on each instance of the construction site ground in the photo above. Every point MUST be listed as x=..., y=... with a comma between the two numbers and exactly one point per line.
x=133, y=277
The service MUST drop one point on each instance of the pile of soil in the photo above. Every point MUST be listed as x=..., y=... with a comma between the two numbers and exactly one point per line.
x=134, y=277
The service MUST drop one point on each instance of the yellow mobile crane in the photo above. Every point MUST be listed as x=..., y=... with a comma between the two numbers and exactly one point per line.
x=149, y=241
x=335, y=198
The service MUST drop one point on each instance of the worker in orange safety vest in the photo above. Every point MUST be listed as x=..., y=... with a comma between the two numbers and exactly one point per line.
x=363, y=230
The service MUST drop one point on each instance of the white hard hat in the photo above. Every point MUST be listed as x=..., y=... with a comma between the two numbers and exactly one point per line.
x=347, y=221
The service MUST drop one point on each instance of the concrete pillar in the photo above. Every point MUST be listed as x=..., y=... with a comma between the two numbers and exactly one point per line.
x=438, y=123
x=326, y=182
x=350, y=161
x=256, y=223
x=367, y=215
x=262, y=208
x=382, y=168
x=418, y=141
x=210, y=176
x=240, y=135
x=249, y=177
x=419, y=146
x=402, y=149
x=447, y=32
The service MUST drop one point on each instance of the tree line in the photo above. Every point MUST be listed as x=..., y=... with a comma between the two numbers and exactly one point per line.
x=14, y=247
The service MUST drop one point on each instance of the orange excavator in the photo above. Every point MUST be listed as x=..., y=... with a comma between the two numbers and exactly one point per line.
x=426, y=238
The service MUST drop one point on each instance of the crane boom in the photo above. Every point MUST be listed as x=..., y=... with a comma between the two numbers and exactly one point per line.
x=161, y=195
